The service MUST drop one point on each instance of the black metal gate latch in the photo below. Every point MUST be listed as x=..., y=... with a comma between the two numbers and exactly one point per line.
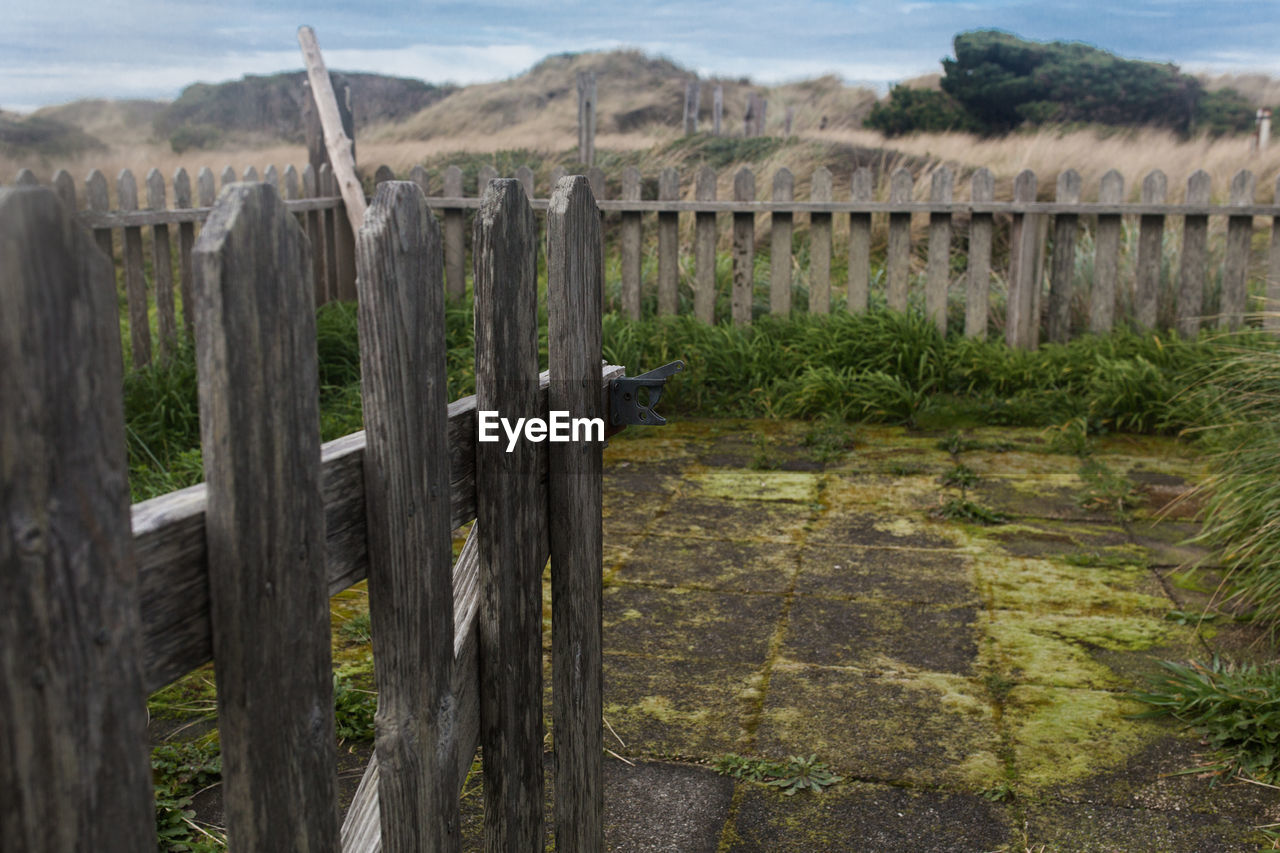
x=632, y=398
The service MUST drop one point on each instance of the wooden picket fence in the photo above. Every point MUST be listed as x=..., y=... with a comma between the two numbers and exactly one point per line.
x=101, y=604
x=1039, y=275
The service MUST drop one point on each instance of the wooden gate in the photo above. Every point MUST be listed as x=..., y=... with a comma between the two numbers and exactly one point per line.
x=98, y=609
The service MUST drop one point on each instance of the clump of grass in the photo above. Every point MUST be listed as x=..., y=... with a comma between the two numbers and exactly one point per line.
x=1107, y=490
x=795, y=774
x=354, y=707
x=961, y=477
x=961, y=509
x=828, y=440
x=1235, y=708
x=358, y=629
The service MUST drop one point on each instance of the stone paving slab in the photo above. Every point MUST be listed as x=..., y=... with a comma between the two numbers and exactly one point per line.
x=900, y=574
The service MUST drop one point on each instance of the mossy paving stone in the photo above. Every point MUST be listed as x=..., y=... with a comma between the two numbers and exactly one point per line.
x=659, y=478
x=854, y=527
x=866, y=818
x=1035, y=498
x=1047, y=585
x=1021, y=465
x=717, y=518
x=857, y=633
x=800, y=487
x=1058, y=827
x=890, y=495
x=710, y=564
x=1157, y=777
x=1168, y=543
x=1108, y=543
x=677, y=708
x=925, y=728
x=901, y=574
x=629, y=513
x=767, y=452
x=720, y=626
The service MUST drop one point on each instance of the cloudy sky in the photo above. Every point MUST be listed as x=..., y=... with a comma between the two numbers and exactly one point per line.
x=53, y=51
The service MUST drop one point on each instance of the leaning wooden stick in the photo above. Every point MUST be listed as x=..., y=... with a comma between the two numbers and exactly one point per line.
x=336, y=141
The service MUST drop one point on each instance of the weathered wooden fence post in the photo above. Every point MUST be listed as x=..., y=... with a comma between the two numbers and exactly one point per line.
x=419, y=176
x=1106, y=264
x=407, y=501
x=938, y=277
x=820, y=244
x=575, y=283
x=668, y=244
x=898, y=259
x=187, y=240
x=1021, y=320
x=228, y=176
x=264, y=524
x=786, y=121
x=75, y=771
x=1064, y=258
x=510, y=515
x=454, y=237
x=316, y=232
x=64, y=186
x=95, y=198
x=162, y=267
x=1191, y=272
x=587, y=117
x=859, y=245
x=135, y=282
x=780, y=230
x=313, y=130
x=1146, y=294
x=717, y=109
x=744, y=249
x=982, y=188
x=692, y=101
x=631, y=245
x=1239, y=243
x=704, y=295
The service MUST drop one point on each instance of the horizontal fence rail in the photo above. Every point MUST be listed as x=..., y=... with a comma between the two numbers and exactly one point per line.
x=1037, y=277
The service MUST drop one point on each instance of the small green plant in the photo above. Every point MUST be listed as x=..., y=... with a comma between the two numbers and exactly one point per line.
x=179, y=771
x=354, y=708
x=1071, y=438
x=960, y=509
x=828, y=440
x=999, y=793
x=906, y=469
x=1235, y=708
x=1190, y=617
x=1106, y=490
x=795, y=774
x=358, y=629
x=763, y=459
x=961, y=477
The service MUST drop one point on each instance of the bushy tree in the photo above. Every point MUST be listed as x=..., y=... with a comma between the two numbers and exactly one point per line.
x=908, y=110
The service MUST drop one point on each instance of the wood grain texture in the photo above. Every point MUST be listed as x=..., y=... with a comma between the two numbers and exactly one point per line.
x=1024, y=269
x=1146, y=291
x=1106, y=264
x=859, y=244
x=704, y=247
x=820, y=245
x=982, y=188
x=454, y=238
x=187, y=240
x=575, y=284
x=264, y=524
x=74, y=759
x=744, y=250
x=510, y=513
x=338, y=144
x=1235, y=271
x=135, y=283
x=631, y=245
x=668, y=244
x=1063, y=267
x=781, y=226
x=1271, y=309
x=316, y=235
x=938, y=275
x=407, y=511
x=1192, y=269
x=898, y=258
x=162, y=267
x=329, y=226
x=586, y=117
x=96, y=199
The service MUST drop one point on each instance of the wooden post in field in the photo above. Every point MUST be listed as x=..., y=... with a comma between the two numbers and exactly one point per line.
x=64, y=186
x=977, y=301
x=1064, y=258
x=75, y=768
x=1106, y=265
x=1239, y=245
x=587, y=117
x=780, y=230
x=187, y=240
x=1146, y=294
x=162, y=267
x=382, y=174
x=692, y=101
x=668, y=244
x=631, y=239
x=419, y=176
x=1271, y=310
x=337, y=142
x=313, y=130
x=1191, y=274
x=938, y=277
x=599, y=189
x=97, y=200
x=859, y=245
x=717, y=109
x=264, y=523
x=272, y=177
x=575, y=282
x=510, y=515
x=251, y=175
x=26, y=178
x=1024, y=268
x=744, y=249
x=820, y=245
x=406, y=487
x=762, y=107
x=454, y=236
x=704, y=295
x=898, y=260
x=786, y=121
x=228, y=176
x=135, y=282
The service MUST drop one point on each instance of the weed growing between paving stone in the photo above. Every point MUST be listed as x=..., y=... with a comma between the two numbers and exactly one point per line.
x=797, y=773
x=179, y=771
